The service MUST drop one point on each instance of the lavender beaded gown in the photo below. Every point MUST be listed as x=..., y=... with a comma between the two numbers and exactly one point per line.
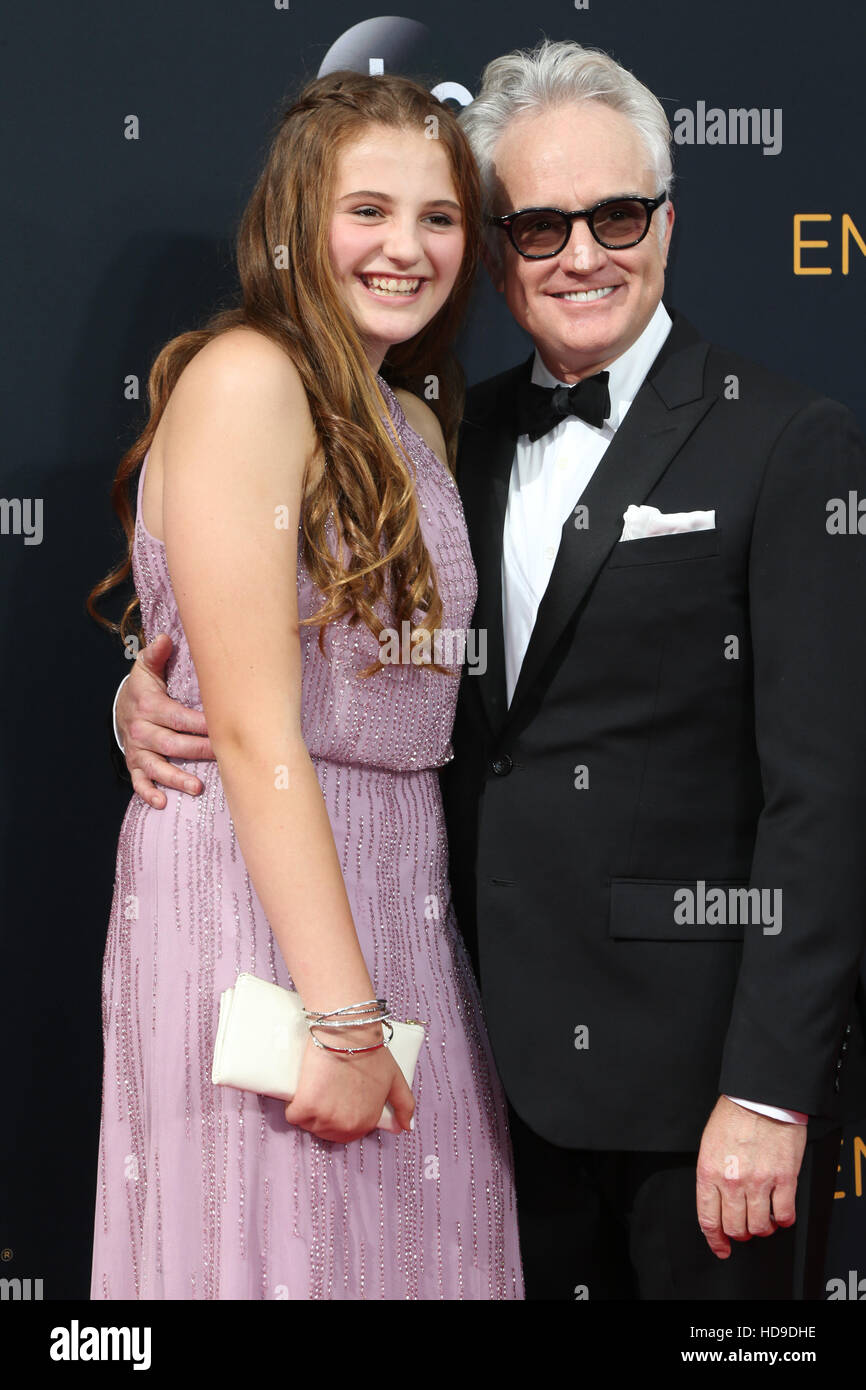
x=206, y=1192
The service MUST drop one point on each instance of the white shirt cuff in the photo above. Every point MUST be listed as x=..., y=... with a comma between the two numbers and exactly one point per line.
x=793, y=1117
x=114, y=714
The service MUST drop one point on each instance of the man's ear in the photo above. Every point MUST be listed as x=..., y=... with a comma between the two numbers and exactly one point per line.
x=494, y=270
x=670, y=227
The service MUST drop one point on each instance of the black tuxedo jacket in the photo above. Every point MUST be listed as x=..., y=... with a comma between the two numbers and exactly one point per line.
x=691, y=710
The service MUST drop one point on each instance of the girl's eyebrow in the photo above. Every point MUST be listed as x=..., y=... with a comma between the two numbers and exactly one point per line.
x=386, y=198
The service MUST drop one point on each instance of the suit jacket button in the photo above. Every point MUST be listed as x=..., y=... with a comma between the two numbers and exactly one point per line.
x=836, y=1087
x=847, y=1030
x=502, y=765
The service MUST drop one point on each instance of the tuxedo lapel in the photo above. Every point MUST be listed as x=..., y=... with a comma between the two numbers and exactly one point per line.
x=484, y=473
x=666, y=410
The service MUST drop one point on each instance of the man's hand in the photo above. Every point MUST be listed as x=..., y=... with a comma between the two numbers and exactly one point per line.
x=154, y=727
x=747, y=1175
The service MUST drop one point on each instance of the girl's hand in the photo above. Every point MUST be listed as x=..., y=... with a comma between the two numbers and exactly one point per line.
x=340, y=1098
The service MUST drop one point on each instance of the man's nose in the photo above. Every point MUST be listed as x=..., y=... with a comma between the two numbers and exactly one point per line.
x=582, y=250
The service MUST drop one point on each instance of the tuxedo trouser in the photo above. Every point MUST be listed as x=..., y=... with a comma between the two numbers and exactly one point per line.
x=620, y=1225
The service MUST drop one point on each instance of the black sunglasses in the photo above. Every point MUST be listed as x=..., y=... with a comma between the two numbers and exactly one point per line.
x=615, y=223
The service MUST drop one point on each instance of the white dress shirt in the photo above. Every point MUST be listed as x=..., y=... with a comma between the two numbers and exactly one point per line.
x=548, y=478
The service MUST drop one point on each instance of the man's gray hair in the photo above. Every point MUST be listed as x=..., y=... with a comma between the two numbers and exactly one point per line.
x=558, y=74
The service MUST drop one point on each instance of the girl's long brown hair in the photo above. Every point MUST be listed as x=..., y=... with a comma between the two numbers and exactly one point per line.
x=365, y=484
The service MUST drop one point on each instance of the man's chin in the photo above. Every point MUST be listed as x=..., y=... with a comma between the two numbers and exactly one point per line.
x=580, y=351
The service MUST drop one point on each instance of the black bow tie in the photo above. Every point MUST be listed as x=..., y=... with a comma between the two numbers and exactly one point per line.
x=540, y=409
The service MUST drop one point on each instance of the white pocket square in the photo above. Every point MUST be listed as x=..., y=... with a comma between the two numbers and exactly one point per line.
x=641, y=522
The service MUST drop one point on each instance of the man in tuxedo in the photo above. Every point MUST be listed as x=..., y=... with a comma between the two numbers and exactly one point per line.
x=655, y=809
x=672, y=714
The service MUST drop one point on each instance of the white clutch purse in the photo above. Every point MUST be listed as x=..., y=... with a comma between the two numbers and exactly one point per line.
x=262, y=1036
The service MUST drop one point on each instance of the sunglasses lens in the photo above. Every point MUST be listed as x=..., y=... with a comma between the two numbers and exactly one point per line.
x=620, y=223
x=539, y=233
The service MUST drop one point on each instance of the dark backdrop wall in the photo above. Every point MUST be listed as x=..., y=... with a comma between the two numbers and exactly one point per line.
x=112, y=244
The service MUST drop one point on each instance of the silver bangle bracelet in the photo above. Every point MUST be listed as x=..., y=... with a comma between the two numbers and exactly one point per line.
x=366, y=1007
x=347, y=1022
x=349, y=1050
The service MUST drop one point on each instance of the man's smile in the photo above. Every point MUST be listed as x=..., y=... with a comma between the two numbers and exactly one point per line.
x=585, y=296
